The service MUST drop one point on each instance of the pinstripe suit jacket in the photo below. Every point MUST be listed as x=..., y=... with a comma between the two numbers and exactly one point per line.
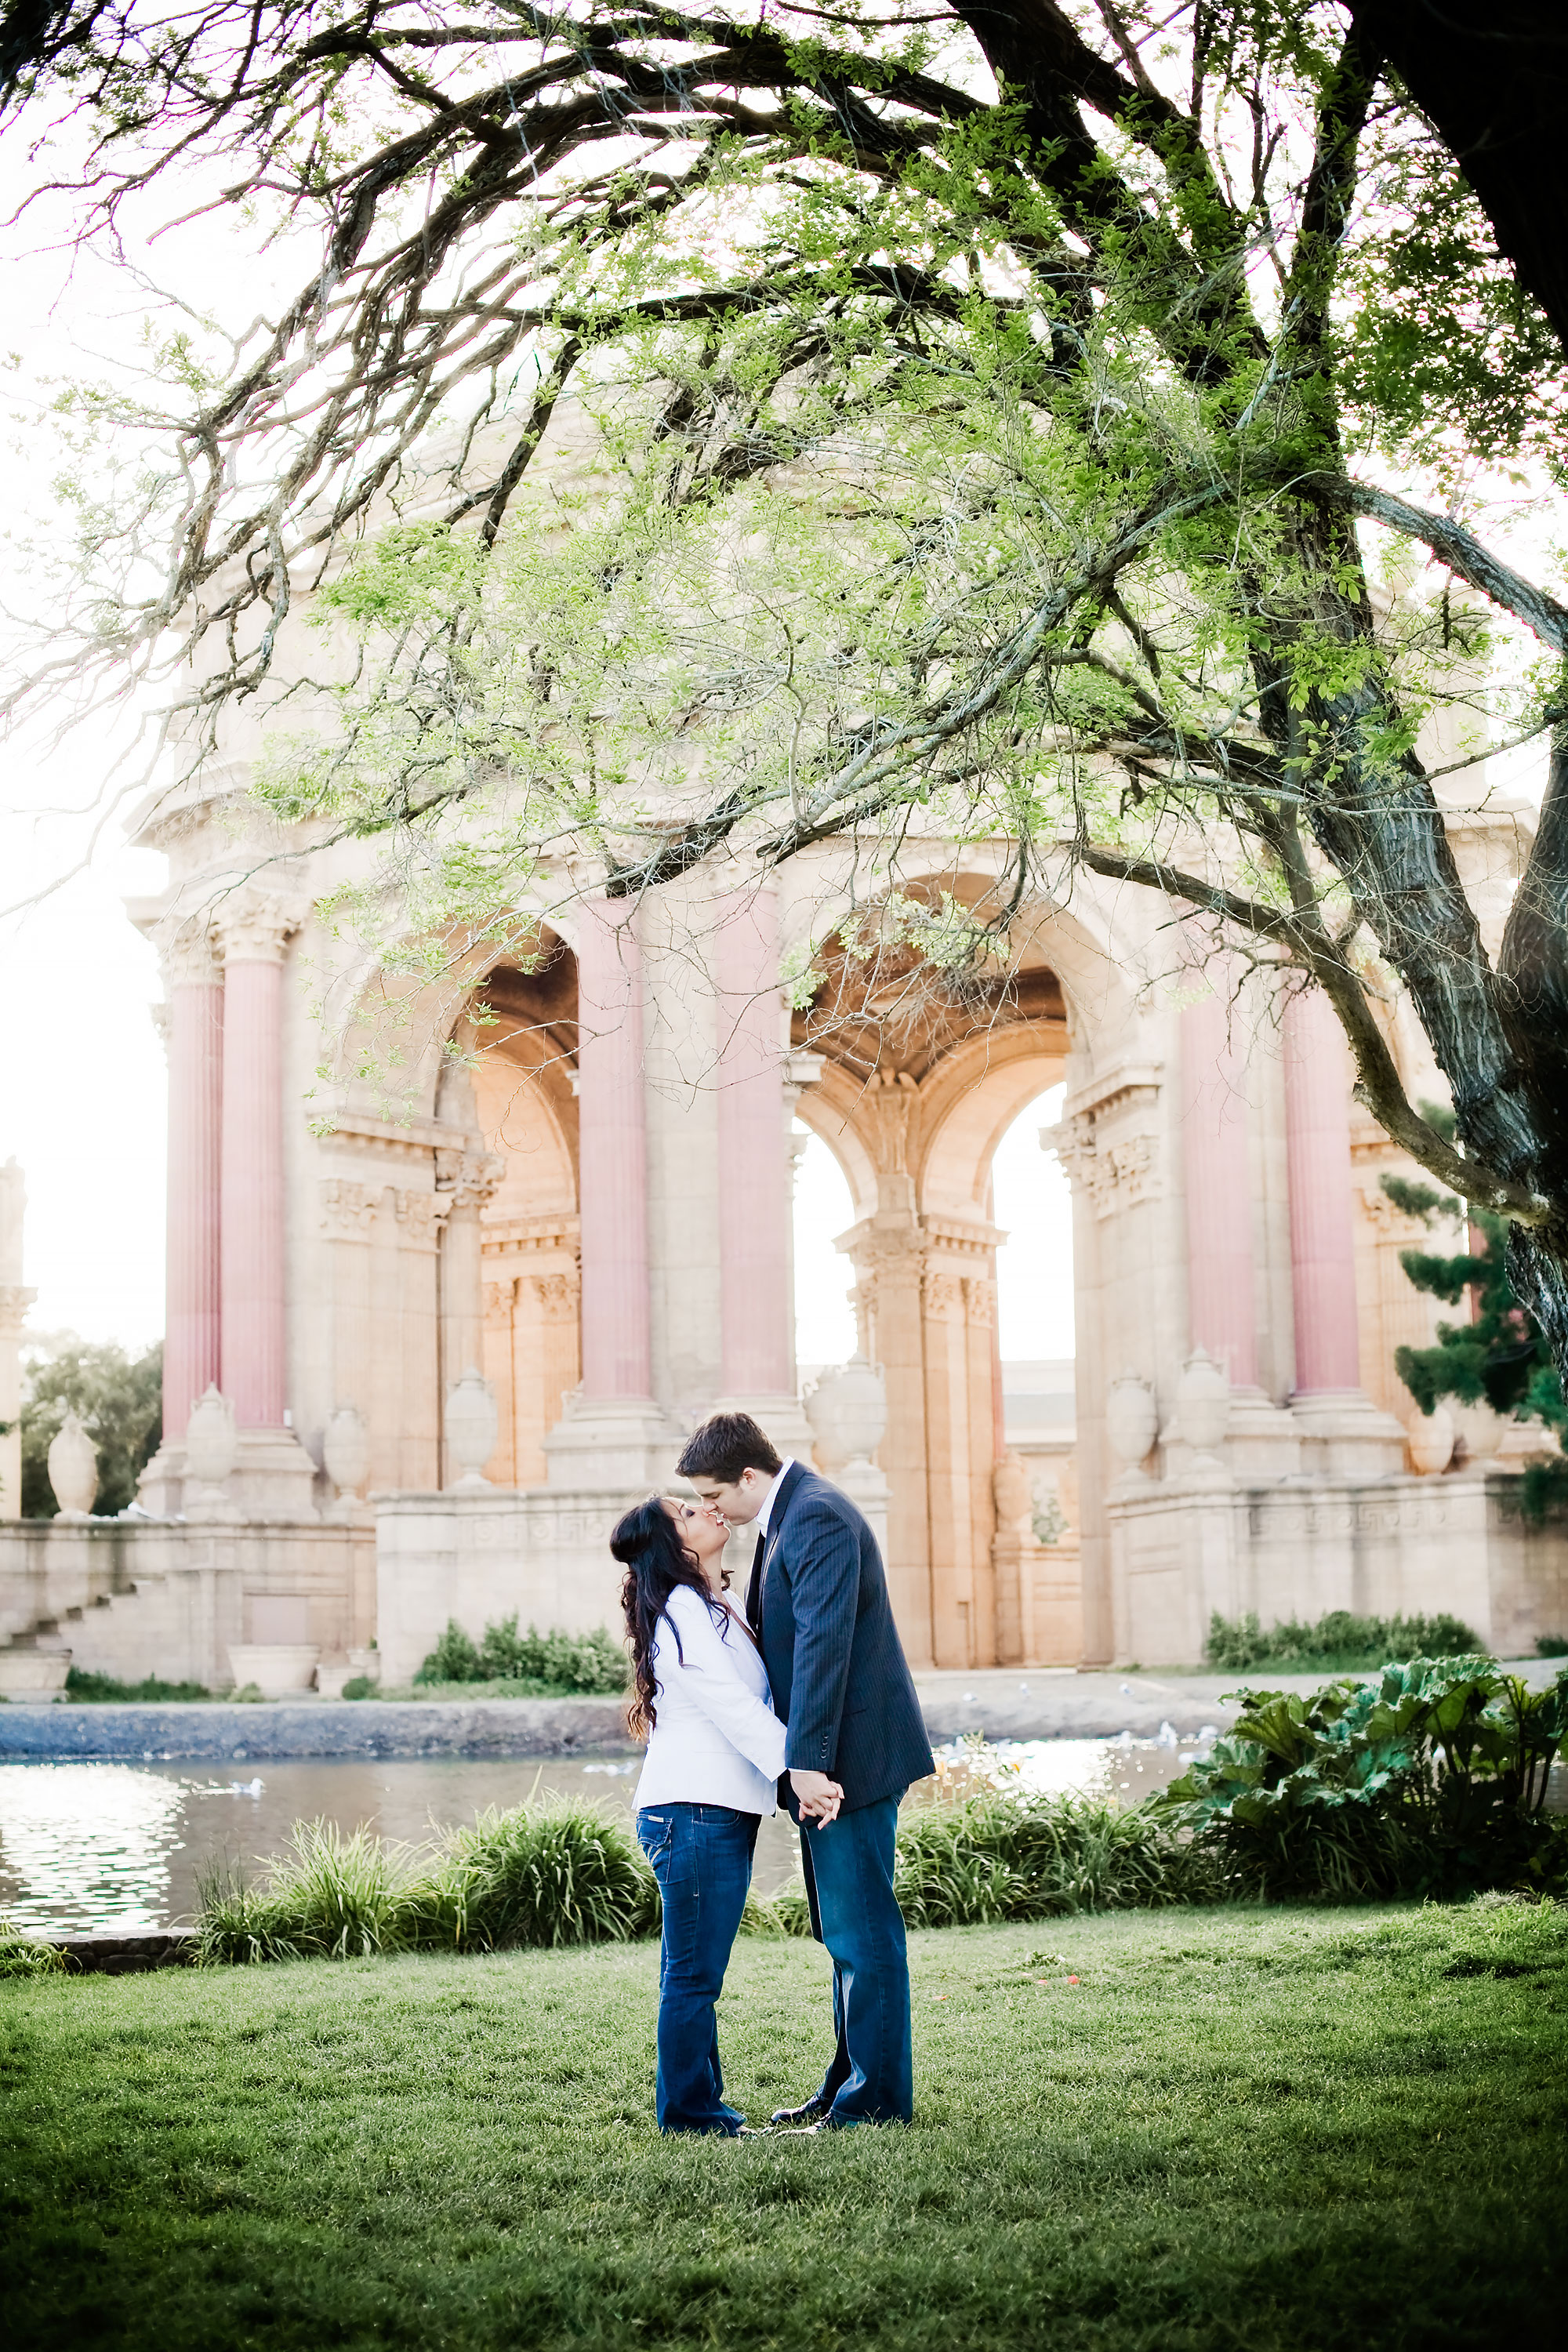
x=817, y=1602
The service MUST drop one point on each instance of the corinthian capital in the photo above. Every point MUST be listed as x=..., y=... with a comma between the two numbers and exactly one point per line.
x=186, y=954
x=471, y=1176
x=253, y=926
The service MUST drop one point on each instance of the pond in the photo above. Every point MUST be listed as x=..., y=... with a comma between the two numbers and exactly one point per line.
x=122, y=1845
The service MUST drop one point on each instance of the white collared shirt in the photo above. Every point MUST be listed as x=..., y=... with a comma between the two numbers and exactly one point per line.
x=761, y=1521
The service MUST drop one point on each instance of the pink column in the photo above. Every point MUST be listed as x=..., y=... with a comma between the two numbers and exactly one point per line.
x=613, y=1154
x=1322, y=1239
x=191, y=1357
x=1221, y=1311
x=756, y=1309
x=255, y=1368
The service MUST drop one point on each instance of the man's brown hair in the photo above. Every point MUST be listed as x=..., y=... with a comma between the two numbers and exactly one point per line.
x=725, y=1445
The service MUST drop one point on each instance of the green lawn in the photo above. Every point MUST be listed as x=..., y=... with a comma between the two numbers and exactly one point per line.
x=1275, y=2129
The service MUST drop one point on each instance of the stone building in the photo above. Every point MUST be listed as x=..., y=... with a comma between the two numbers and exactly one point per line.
x=454, y=1262
x=443, y=1340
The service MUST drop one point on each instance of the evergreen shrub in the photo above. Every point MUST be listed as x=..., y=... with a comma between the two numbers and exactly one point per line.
x=1337, y=1641
x=543, y=1666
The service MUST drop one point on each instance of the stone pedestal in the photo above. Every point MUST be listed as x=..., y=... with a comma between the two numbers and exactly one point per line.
x=612, y=1444
x=1344, y=1435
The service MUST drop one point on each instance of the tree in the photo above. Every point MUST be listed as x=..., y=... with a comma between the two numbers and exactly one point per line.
x=119, y=1400
x=1050, y=353
x=1491, y=77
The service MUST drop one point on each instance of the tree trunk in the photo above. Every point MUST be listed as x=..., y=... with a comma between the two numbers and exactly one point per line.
x=1491, y=77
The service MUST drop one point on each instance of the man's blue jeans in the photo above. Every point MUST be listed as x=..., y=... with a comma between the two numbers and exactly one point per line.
x=701, y=1858
x=850, y=1887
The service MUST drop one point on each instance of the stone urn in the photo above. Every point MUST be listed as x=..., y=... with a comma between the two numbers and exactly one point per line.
x=345, y=1455
x=211, y=1440
x=212, y=1449
x=847, y=1411
x=473, y=1422
x=1431, y=1437
x=1480, y=1430
x=1203, y=1402
x=1131, y=1421
x=73, y=1468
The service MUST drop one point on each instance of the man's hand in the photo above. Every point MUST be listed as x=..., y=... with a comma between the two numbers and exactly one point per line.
x=820, y=1798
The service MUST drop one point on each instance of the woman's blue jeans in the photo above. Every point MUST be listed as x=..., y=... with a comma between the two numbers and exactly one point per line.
x=701, y=1858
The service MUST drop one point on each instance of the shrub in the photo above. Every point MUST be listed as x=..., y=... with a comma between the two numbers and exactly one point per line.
x=358, y=1687
x=23, y=1956
x=1336, y=1640
x=102, y=1690
x=1008, y=1854
x=1551, y=1645
x=1429, y=1780
x=540, y=1664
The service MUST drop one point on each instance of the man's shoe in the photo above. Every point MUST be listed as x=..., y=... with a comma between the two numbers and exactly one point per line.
x=796, y=2118
x=828, y=2123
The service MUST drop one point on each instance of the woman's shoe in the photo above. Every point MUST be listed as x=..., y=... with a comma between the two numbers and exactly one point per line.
x=796, y=2117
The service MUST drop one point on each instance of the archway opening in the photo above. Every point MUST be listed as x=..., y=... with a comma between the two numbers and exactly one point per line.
x=824, y=1278
x=1032, y=1203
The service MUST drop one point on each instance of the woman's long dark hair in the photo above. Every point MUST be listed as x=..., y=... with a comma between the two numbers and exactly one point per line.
x=649, y=1544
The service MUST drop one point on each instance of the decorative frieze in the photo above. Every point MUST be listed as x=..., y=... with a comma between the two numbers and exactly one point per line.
x=468, y=1178
x=420, y=1215
x=348, y=1210
x=14, y=1301
x=1117, y=1172
x=557, y=1295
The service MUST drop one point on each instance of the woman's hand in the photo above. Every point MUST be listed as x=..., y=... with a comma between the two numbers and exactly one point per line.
x=818, y=1797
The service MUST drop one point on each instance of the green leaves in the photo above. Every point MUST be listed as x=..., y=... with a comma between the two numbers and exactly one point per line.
x=1430, y=1774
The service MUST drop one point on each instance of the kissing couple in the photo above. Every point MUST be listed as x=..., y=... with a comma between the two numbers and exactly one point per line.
x=807, y=1698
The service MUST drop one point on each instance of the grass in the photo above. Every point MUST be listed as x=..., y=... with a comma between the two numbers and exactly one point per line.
x=1234, y=2129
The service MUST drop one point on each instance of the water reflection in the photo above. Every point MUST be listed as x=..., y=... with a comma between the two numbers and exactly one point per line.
x=120, y=1846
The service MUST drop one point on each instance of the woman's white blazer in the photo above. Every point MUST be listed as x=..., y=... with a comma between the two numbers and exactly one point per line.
x=716, y=1740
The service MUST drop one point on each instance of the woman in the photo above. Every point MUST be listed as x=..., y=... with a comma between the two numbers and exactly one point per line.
x=715, y=1751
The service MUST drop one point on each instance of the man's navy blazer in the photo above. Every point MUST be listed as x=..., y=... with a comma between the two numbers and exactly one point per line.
x=817, y=1602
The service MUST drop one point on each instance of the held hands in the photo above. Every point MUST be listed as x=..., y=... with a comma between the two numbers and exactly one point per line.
x=818, y=1797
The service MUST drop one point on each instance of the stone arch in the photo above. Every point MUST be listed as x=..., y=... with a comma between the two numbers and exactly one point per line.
x=524, y=1043
x=913, y=1106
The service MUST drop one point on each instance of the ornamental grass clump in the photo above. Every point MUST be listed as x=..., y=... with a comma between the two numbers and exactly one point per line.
x=1429, y=1780
x=22, y=1954
x=540, y=1874
x=1010, y=1854
x=334, y=1895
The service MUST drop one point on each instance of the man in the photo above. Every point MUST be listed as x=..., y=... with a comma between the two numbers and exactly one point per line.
x=817, y=1602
